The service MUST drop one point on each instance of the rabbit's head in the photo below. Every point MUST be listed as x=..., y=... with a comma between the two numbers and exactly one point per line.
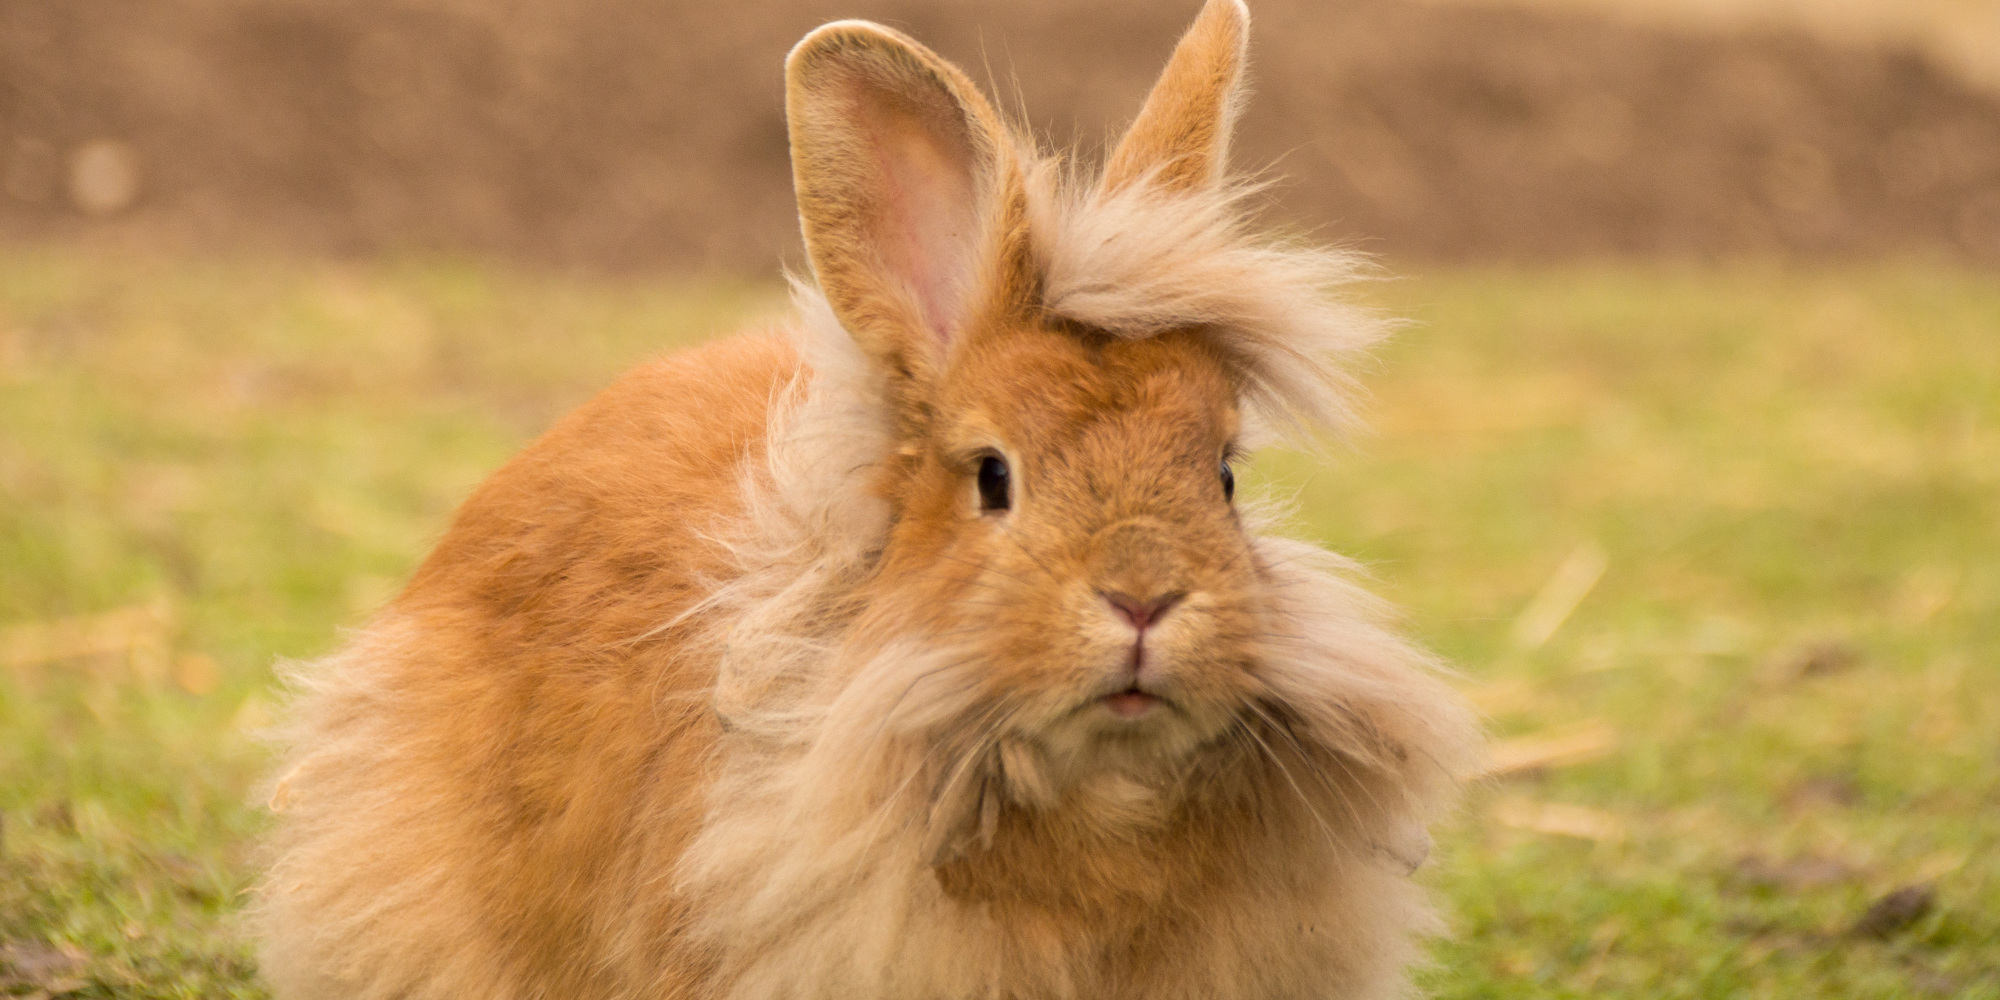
x=1067, y=366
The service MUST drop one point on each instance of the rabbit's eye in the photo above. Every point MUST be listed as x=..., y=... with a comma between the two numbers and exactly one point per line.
x=994, y=489
x=1228, y=482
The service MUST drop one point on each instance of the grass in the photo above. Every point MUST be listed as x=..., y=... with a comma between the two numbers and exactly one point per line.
x=1785, y=677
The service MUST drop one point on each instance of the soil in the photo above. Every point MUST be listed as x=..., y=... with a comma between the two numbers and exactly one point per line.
x=649, y=134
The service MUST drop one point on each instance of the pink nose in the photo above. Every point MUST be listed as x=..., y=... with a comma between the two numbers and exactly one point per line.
x=1142, y=613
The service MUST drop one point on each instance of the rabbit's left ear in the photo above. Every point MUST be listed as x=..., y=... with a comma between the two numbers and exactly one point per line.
x=910, y=193
x=1180, y=141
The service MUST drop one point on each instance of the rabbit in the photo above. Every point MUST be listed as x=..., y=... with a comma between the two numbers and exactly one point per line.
x=918, y=649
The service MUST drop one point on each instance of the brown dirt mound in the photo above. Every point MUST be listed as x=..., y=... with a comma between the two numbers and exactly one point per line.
x=641, y=133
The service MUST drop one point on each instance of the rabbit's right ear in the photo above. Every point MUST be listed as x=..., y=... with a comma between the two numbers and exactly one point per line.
x=1180, y=141
x=910, y=195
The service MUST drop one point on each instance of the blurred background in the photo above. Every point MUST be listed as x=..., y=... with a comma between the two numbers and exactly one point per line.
x=640, y=134
x=1689, y=458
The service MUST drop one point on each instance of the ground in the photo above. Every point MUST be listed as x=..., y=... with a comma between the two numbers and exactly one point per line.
x=1714, y=550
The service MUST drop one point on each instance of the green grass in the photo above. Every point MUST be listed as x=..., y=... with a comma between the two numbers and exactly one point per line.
x=1768, y=461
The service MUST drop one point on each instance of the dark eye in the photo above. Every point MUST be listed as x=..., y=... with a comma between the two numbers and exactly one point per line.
x=993, y=484
x=1228, y=482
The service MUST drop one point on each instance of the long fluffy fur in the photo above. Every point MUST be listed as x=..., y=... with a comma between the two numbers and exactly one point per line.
x=811, y=872
x=625, y=739
x=1138, y=261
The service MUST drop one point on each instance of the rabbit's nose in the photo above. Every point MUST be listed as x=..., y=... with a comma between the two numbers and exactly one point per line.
x=1142, y=612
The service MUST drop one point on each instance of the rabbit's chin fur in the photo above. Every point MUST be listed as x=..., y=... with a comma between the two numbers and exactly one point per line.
x=704, y=696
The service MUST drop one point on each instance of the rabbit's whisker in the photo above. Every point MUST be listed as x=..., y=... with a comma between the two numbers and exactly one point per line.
x=1270, y=754
x=983, y=568
x=1312, y=765
x=1008, y=534
x=889, y=714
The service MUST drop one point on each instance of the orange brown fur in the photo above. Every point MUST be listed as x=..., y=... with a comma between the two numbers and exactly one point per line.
x=733, y=684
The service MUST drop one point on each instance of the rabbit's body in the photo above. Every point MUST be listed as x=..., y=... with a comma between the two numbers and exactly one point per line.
x=919, y=653
x=489, y=768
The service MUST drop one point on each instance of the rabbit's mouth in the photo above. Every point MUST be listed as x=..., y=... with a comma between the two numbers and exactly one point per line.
x=1131, y=703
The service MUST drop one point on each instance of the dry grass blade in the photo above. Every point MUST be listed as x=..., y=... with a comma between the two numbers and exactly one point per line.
x=138, y=633
x=1503, y=696
x=1558, y=598
x=1588, y=742
x=1560, y=819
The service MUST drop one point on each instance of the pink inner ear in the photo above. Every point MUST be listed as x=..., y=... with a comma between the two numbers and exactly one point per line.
x=923, y=217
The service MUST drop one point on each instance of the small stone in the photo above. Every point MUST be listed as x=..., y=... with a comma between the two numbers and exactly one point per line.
x=103, y=177
x=1815, y=659
x=1896, y=911
x=1822, y=658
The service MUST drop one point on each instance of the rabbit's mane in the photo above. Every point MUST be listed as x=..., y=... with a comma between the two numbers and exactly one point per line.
x=814, y=864
x=1139, y=260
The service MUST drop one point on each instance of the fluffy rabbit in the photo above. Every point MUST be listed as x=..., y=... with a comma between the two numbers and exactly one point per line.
x=919, y=651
